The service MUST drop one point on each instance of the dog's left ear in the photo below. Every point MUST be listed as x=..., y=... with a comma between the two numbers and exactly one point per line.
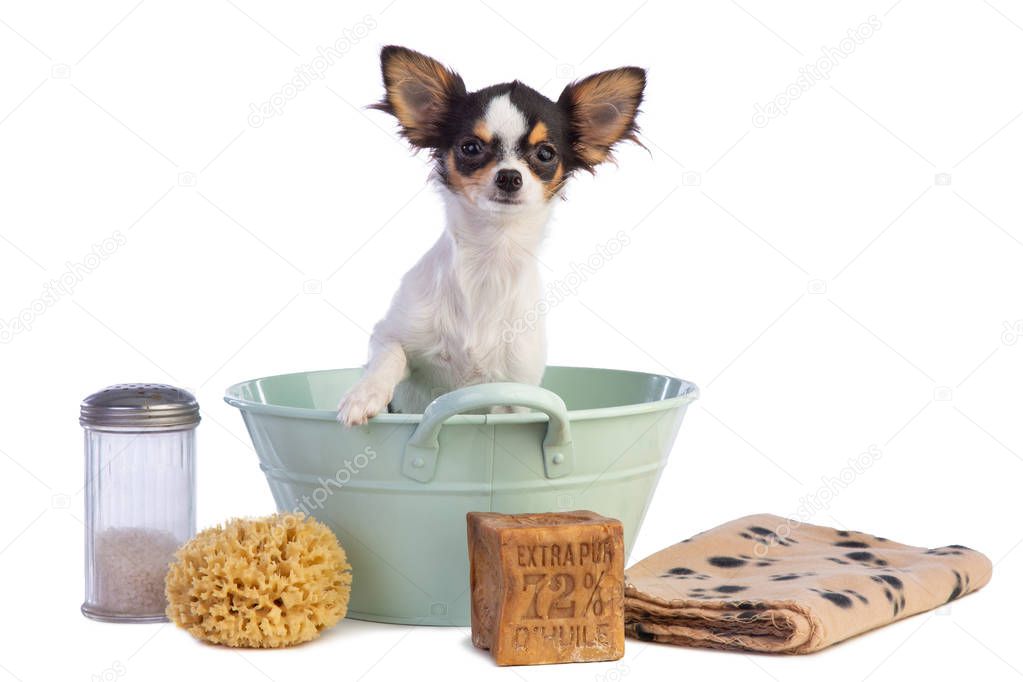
x=602, y=110
x=419, y=93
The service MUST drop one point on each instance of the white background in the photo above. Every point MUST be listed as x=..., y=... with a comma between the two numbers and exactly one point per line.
x=818, y=277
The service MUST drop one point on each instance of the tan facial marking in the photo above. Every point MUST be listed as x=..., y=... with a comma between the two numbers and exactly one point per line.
x=466, y=184
x=455, y=179
x=552, y=187
x=482, y=131
x=538, y=134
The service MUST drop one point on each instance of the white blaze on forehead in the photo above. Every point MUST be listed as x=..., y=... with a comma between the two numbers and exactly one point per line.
x=505, y=120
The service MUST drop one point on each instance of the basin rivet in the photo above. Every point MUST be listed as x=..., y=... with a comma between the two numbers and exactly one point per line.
x=418, y=462
x=558, y=458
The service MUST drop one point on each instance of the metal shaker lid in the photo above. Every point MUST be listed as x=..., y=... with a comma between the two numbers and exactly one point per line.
x=140, y=407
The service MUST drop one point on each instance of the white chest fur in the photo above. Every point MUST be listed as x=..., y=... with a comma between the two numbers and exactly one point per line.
x=466, y=313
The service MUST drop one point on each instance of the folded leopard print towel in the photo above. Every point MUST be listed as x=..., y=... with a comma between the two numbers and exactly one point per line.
x=767, y=584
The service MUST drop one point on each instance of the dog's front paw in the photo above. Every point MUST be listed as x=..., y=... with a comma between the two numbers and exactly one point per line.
x=361, y=404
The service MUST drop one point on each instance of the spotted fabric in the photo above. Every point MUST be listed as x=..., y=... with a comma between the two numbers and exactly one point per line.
x=764, y=583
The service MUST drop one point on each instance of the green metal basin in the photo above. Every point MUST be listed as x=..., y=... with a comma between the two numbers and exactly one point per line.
x=396, y=491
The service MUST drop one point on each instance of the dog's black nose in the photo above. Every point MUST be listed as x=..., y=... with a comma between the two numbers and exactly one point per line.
x=508, y=180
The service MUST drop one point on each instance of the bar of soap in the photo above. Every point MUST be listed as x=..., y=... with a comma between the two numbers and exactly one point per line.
x=547, y=588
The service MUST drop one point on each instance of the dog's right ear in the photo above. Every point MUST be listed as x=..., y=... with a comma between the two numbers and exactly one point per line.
x=419, y=93
x=602, y=109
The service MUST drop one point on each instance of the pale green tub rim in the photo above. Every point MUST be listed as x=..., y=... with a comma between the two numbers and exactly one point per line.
x=687, y=393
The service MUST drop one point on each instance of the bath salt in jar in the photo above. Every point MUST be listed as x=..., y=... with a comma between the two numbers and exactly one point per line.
x=139, y=496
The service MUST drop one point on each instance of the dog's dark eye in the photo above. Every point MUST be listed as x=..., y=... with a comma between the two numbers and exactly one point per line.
x=545, y=153
x=471, y=147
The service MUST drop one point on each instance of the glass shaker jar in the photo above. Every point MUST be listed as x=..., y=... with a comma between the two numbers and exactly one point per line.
x=139, y=496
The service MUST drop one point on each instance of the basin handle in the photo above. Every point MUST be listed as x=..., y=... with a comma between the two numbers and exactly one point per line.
x=420, y=461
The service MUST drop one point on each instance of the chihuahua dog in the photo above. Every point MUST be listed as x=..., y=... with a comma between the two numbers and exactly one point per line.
x=501, y=155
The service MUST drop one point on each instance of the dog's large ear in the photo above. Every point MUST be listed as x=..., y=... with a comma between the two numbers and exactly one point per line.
x=602, y=110
x=419, y=93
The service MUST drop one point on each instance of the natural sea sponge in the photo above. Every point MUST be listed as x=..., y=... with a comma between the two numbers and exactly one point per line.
x=268, y=582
